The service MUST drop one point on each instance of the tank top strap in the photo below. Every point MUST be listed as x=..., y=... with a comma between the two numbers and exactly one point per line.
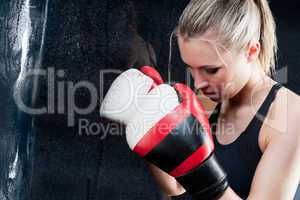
x=258, y=120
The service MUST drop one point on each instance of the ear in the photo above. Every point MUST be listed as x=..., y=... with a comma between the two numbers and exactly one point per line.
x=253, y=51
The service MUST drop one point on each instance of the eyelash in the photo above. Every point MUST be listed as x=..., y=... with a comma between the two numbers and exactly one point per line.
x=212, y=70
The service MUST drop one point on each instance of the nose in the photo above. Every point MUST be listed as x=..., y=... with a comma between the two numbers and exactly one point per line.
x=200, y=84
x=199, y=81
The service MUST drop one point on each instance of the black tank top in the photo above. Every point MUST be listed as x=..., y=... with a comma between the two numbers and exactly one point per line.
x=240, y=158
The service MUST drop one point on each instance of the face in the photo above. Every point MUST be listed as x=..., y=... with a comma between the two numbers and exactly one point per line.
x=219, y=74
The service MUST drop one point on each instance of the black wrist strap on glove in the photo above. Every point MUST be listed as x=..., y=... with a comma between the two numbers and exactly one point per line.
x=184, y=196
x=208, y=181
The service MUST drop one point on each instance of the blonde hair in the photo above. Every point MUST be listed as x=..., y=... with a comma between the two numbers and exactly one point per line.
x=237, y=22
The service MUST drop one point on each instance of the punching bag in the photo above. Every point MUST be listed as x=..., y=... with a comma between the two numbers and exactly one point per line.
x=57, y=58
x=22, y=29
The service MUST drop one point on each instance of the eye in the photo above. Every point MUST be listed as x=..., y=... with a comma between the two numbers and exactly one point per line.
x=212, y=70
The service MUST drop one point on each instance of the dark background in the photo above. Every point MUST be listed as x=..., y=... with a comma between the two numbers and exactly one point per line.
x=41, y=158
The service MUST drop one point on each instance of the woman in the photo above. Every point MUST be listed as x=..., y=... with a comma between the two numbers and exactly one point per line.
x=230, y=48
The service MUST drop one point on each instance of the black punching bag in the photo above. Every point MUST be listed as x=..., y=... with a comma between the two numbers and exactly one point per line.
x=57, y=60
x=22, y=28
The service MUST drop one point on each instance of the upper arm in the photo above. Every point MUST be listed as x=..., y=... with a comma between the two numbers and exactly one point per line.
x=278, y=172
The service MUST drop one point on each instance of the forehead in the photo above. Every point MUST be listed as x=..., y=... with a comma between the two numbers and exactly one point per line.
x=204, y=50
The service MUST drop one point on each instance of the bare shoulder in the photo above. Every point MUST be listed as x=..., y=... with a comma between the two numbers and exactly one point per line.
x=282, y=120
x=288, y=102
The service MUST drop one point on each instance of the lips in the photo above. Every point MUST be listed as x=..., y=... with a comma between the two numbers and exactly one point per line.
x=207, y=92
x=211, y=95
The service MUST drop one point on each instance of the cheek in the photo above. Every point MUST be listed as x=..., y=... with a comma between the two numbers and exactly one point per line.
x=224, y=78
x=237, y=79
x=220, y=82
x=227, y=82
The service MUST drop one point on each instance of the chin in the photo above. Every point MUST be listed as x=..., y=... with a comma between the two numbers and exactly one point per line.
x=215, y=98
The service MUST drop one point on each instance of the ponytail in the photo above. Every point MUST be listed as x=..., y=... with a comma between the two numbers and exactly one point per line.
x=268, y=40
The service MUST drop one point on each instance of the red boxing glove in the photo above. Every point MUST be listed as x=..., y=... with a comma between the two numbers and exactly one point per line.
x=170, y=129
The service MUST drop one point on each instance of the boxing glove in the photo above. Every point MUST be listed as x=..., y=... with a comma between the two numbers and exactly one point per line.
x=167, y=125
